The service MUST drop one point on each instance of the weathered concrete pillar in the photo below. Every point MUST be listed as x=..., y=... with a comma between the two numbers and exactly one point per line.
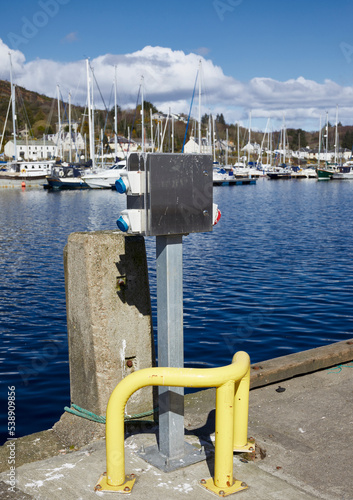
x=108, y=317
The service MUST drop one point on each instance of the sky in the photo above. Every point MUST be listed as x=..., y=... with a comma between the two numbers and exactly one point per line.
x=275, y=60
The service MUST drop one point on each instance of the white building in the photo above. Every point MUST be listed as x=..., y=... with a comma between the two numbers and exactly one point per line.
x=330, y=156
x=159, y=117
x=302, y=154
x=252, y=148
x=124, y=146
x=31, y=149
x=192, y=146
x=63, y=143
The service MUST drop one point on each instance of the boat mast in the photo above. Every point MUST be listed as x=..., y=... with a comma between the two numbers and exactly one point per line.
x=115, y=115
x=70, y=152
x=90, y=135
x=172, y=133
x=268, y=147
x=336, y=136
x=226, y=146
x=299, y=163
x=249, y=137
x=142, y=118
x=326, y=153
x=283, y=141
x=59, y=124
x=27, y=148
x=214, y=140
x=163, y=132
x=92, y=120
x=263, y=139
x=152, y=138
x=238, y=143
x=319, y=151
x=200, y=106
x=102, y=144
x=5, y=123
x=13, y=110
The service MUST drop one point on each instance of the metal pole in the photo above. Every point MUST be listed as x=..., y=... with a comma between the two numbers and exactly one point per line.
x=13, y=99
x=70, y=137
x=170, y=341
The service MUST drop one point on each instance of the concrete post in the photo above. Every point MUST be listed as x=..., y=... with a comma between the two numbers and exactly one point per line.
x=108, y=317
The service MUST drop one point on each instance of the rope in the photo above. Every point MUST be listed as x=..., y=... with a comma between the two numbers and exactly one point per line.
x=338, y=368
x=81, y=412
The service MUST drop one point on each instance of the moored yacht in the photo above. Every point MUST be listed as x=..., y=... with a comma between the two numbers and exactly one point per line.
x=279, y=172
x=67, y=176
x=104, y=178
x=345, y=172
x=25, y=173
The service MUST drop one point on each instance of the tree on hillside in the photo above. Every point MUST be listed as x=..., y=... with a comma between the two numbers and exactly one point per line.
x=347, y=140
x=220, y=119
x=148, y=105
x=204, y=119
x=297, y=138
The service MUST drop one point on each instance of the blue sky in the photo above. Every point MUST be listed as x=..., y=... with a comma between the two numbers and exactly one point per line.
x=273, y=57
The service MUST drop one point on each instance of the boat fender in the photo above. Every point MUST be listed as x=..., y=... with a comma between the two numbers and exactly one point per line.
x=216, y=214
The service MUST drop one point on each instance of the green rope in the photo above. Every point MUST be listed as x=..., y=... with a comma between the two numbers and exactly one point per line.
x=81, y=412
x=338, y=368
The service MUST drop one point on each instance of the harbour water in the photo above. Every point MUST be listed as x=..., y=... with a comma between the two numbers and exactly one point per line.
x=274, y=277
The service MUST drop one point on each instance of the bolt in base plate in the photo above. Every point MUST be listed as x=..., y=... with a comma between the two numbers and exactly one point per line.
x=126, y=487
x=224, y=491
x=248, y=447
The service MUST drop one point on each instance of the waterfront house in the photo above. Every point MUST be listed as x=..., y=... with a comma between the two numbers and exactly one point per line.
x=192, y=146
x=31, y=149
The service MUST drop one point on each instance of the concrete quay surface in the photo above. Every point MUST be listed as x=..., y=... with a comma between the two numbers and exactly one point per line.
x=302, y=421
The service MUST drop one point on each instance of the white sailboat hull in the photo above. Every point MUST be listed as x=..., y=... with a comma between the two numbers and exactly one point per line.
x=26, y=173
x=343, y=175
x=104, y=179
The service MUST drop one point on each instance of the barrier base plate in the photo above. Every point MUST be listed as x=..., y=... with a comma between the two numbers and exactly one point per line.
x=248, y=447
x=126, y=487
x=209, y=485
x=191, y=456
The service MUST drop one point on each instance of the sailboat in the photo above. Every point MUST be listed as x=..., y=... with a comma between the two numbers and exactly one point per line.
x=281, y=171
x=103, y=178
x=66, y=176
x=326, y=172
x=22, y=173
x=346, y=172
x=343, y=171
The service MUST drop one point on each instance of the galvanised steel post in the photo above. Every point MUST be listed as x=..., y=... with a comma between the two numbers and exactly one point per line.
x=170, y=341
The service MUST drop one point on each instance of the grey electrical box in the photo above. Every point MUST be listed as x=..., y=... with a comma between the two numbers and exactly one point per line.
x=176, y=195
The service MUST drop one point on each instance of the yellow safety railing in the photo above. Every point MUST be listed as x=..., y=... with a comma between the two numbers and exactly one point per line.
x=232, y=384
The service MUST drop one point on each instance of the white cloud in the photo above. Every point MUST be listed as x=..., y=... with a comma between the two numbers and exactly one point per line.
x=70, y=37
x=169, y=78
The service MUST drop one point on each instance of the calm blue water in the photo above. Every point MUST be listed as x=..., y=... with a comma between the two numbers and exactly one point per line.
x=274, y=277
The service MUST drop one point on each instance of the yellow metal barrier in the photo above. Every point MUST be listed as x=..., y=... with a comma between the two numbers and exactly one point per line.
x=232, y=405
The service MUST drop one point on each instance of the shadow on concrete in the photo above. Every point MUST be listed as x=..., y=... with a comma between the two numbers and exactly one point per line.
x=135, y=427
x=204, y=435
x=133, y=275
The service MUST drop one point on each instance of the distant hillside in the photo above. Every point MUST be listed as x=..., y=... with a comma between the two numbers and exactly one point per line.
x=36, y=111
x=40, y=114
